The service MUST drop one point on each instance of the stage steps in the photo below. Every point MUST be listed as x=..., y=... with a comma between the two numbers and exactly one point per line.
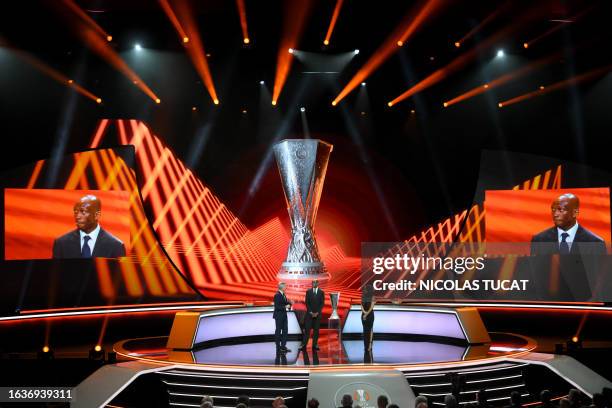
x=498, y=379
x=187, y=387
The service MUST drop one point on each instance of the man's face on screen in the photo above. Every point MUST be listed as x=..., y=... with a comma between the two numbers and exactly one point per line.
x=564, y=212
x=86, y=215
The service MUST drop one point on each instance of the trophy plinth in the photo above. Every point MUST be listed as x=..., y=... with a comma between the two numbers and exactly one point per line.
x=302, y=164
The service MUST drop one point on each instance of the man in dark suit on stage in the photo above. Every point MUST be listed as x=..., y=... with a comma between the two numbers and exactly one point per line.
x=89, y=239
x=280, y=318
x=315, y=299
x=567, y=236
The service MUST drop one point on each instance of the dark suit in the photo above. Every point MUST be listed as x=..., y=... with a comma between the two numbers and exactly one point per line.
x=572, y=268
x=69, y=246
x=314, y=304
x=280, y=318
x=585, y=242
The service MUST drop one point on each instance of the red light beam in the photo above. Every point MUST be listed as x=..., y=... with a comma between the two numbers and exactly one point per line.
x=243, y=21
x=557, y=85
x=400, y=35
x=296, y=13
x=333, y=21
x=175, y=22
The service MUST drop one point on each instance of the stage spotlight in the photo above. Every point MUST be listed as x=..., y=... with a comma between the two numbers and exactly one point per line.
x=363, y=113
x=244, y=111
x=246, y=40
x=291, y=50
x=45, y=354
x=262, y=83
x=400, y=43
x=216, y=101
x=334, y=103
x=325, y=42
x=389, y=104
x=158, y=101
x=193, y=108
x=363, y=84
x=273, y=103
x=525, y=45
x=485, y=86
x=99, y=100
x=500, y=53
x=109, y=38
x=457, y=44
x=185, y=40
x=70, y=81
x=445, y=104
x=96, y=353
x=500, y=105
x=541, y=87
x=575, y=339
x=137, y=47
x=412, y=111
x=356, y=52
x=302, y=109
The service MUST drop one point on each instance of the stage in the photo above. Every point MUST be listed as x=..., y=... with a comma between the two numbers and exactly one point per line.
x=454, y=355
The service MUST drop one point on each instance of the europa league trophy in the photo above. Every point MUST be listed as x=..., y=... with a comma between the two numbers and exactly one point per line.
x=302, y=164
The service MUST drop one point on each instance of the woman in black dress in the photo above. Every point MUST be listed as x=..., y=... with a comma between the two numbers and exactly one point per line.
x=367, y=316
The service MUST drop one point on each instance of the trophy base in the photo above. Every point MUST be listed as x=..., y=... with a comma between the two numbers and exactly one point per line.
x=303, y=271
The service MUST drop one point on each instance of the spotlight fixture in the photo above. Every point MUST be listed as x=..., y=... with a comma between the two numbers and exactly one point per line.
x=575, y=339
x=457, y=44
x=501, y=105
x=356, y=51
x=185, y=40
x=485, y=86
x=325, y=42
x=262, y=83
x=302, y=109
x=363, y=84
x=334, y=103
x=137, y=47
x=291, y=50
x=246, y=40
x=541, y=87
x=216, y=101
x=45, y=349
x=45, y=354
x=412, y=111
x=400, y=43
x=445, y=104
x=273, y=103
x=193, y=108
x=109, y=38
x=244, y=111
x=158, y=101
x=96, y=353
x=98, y=100
x=500, y=53
x=389, y=104
x=70, y=81
x=525, y=45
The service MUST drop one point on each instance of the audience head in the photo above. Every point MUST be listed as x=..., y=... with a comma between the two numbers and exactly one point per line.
x=564, y=403
x=481, y=396
x=313, y=403
x=599, y=401
x=515, y=398
x=420, y=402
x=382, y=401
x=242, y=405
x=450, y=401
x=207, y=399
x=278, y=401
x=243, y=399
x=347, y=400
x=392, y=406
x=574, y=397
x=545, y=396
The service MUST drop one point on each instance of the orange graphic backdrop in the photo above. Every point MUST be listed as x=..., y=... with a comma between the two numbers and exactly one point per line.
x=33, y=218
x=517, y=215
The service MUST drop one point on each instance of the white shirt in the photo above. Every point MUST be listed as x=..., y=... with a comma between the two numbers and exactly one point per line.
x=571, y=232
x=92, y=242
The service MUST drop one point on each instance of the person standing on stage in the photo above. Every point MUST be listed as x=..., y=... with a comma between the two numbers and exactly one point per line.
x=281, y=304
x=367, y=316
x=315, y=299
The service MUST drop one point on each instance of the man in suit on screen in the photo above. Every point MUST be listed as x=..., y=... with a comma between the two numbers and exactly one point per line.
x=280, y=318
x=315, y=299
x=88, y=240
x=567, y=236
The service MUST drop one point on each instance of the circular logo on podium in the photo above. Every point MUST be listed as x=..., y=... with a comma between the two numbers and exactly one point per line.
x=300, y=153
x=364, y=394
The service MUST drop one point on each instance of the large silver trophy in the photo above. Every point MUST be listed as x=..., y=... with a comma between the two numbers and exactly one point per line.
x=302, y=164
